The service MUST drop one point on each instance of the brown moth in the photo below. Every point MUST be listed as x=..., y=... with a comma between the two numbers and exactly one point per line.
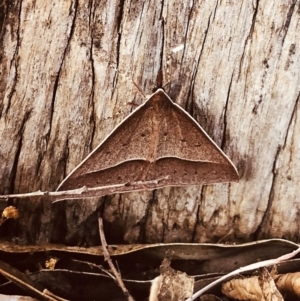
x=158, y=144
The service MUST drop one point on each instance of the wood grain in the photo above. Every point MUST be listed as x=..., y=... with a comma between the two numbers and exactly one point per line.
x=66, y=78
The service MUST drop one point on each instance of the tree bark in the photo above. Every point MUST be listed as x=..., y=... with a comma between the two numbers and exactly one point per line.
x=68, y=75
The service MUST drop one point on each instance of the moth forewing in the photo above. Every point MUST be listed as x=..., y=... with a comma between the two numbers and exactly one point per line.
x=158, y=140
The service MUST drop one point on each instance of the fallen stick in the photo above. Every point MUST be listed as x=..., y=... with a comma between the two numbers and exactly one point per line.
x=95, y=191
x=110, y=263
x=246, y=268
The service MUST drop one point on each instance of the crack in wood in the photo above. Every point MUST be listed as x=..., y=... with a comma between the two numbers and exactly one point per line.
x=223, y=142
x=265, y=218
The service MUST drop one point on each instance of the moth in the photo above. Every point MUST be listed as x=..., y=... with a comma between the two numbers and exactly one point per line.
x=159, y=144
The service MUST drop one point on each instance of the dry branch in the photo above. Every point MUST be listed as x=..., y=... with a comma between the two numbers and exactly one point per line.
x=107, y=258
x=96, y=191
x=247, y=268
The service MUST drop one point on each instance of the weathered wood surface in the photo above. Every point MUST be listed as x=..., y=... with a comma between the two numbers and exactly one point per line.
x=67, y=73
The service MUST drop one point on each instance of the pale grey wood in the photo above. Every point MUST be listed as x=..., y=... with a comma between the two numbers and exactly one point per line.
x=68, y=74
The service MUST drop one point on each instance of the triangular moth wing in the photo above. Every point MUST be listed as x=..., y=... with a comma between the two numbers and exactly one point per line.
x=159, y=140
x=186, y=152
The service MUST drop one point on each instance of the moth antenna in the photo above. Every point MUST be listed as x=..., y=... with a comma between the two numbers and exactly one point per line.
x=138, y=88
x=126, y=77
x=134, y=104
x=167, y=84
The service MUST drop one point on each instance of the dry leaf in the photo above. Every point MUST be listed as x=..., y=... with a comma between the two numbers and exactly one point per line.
x=171, y=285
x=268, y=287
x=10, y=212
x=289, y=283
x=243, y=289
x=255, y=288
x=50, y=264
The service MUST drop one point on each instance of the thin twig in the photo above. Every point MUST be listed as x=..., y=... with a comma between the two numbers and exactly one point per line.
x=45, y=193
x=110, y=263
x=99, y=267
x=106, y=272
x=95, y=191
x=246, y=268
x=48, y=293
